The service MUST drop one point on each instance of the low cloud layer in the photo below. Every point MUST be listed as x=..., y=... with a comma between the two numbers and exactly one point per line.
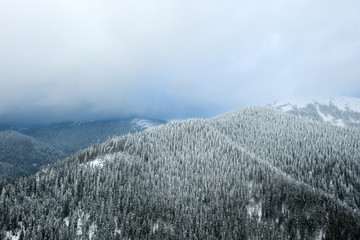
x=75, y=60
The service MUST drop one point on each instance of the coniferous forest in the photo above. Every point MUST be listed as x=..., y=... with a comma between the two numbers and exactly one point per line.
x=250, y=174
x=25, y=149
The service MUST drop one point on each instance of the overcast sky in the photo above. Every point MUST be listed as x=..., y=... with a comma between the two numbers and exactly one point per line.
x=92, y=59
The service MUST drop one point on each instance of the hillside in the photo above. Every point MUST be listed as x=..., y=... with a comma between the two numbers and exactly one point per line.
x=250, y=174
x=26, y=150
x=340, y=111
x=21, y=155
x=70, y=137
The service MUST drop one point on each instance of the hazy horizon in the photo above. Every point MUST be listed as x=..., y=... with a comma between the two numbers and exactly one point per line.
x=91, y=60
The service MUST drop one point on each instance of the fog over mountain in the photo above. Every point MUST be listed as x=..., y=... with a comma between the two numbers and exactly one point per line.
x=65, y=60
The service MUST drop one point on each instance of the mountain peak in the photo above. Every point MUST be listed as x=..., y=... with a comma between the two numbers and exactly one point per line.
x=340, y=111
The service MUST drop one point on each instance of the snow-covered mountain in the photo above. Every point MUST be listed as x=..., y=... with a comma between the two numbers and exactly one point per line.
x=142, y=123
x=69, y=137
x=340, y=111
x=64, y=138
x=255, y=173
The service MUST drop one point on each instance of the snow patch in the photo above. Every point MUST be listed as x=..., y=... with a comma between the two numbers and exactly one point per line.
x=342, y=103
x=143, y=123
x=165, y=226
x=255, y=208
x=100, y=161
x=10, y=236
x=92, y=230
x=283, y=208
x=340, y=123
x=117, y=231
x=66, y=220
x=325, y=117
x=287, y=108
x=354, y=120
x=291, y=103
x=79, y=123
x=155, y=227
x=79, y=227
x=320, y=235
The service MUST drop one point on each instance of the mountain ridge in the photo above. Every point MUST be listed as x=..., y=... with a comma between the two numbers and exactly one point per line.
x=22, y=155
x=340, y=111
x=66, y=138
x=205, y=179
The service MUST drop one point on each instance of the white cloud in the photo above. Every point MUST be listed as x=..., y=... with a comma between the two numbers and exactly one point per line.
x=137, y=57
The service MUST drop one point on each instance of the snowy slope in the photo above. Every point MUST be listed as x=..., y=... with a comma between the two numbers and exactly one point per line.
x=142, y=123
x=16, y=157
x=70, y=137
x=340, y=111
x=255, y=172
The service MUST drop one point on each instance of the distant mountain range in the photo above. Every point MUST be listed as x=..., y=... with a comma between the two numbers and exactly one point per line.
x=25, y=149
x=255, y=173
x=340, y=111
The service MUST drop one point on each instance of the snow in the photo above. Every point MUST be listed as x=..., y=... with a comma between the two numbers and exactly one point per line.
x=143, y=123
x=13, y=237
x=92, y=230
x=117, y=231
x=79, y=227
x=325, y=117
x=155, y=227
x=78, y=123
x=340, y=123
x=255, y=209
x=66, y=220
x=100, y=161
x=353, y=120
x=292, y=103
x=320, y=235
x=342, y=103
x=287, y=108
